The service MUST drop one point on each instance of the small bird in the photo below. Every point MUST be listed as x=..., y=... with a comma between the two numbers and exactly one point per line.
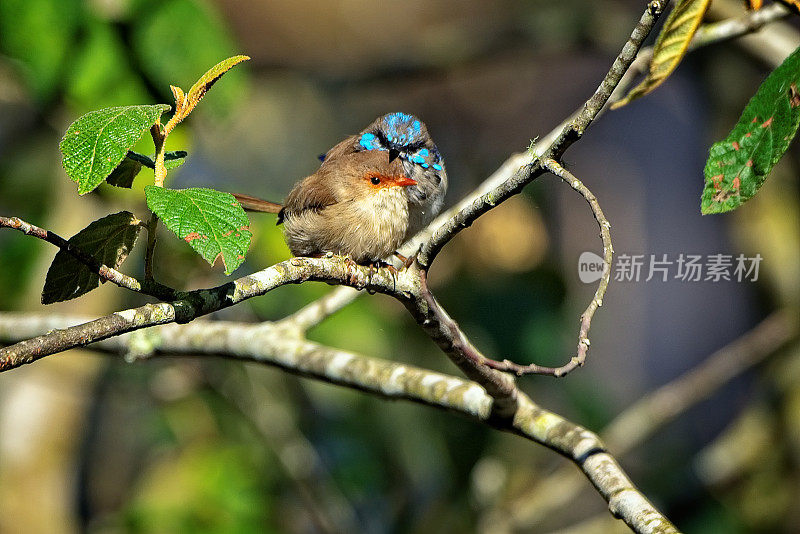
x=372, y=192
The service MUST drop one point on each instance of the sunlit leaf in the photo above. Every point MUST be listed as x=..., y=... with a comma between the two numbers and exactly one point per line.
x=97, y=142
x=201, y=87
x=108, y=240
x=180, y=100
x=670, y=46
x=212, y=222
x=738, y=165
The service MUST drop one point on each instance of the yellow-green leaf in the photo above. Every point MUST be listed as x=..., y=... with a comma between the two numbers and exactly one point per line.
x=186, y=103
x=180, y=99
x=670, y=47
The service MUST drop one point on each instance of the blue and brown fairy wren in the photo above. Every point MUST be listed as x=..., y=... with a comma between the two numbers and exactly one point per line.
x=373, y=191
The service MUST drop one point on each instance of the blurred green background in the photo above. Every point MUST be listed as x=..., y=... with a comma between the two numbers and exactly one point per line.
x=89, y=443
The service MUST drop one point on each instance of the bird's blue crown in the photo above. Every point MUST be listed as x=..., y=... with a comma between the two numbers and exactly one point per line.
x=404, y=133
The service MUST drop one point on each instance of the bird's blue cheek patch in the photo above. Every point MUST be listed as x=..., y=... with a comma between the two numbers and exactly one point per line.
x=369, y=141
x=437, y=166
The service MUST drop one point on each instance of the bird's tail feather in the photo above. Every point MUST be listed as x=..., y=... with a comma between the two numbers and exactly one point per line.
x=257, y=204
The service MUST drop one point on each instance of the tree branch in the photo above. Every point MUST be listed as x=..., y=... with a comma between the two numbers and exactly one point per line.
x=568, y=135
x=652, y=412
x=586, y=317
x=103, y=271
x=194, y=304
x=317, y=311
x=271, y=344
x=707, y=34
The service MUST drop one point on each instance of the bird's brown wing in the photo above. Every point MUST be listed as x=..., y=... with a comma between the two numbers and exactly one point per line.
x=343, y=148
x=315, y=193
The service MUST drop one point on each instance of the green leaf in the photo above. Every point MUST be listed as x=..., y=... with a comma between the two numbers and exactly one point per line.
x=174, y=159
x=108, y=240
x=738, y=165
x=212, y=222
x=97, y=142
x=670, y=47
x=124, y=174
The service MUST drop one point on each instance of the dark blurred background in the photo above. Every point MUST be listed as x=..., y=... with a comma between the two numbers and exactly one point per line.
x=90, y=443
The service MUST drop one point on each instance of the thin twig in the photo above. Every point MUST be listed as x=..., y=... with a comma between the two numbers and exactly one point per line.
x=586, y=317
x=568, y=135
x=148, y=287
x=317, y=311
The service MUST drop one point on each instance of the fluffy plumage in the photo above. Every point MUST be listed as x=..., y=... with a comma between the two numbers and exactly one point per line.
x=373, y=191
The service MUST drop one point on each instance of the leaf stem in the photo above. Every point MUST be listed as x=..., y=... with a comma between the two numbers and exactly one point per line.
x=141, y=158
x=159, y=138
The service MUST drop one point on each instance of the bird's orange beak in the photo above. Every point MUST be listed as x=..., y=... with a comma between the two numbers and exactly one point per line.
x=404, y=181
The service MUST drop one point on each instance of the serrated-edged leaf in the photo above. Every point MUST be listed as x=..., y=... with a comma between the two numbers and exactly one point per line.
x=212, y=222
x=108, y=240
x=738, y=165
x=124, y=174
x=97, y=142
x=670, y=47
x=174, y=159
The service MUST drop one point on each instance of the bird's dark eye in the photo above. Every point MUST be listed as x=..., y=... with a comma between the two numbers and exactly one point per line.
x=375, y=180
